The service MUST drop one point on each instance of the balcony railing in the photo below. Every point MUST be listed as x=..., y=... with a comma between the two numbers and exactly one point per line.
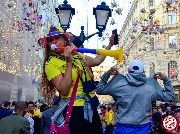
x=171, y=26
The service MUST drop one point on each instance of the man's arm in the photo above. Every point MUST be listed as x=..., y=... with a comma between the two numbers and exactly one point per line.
x=42, y=124
x=91, y=62
x=167, y=94
x=105, y=87
x=102, y=84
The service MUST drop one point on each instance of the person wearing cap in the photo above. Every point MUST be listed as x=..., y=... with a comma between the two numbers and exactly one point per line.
x=133, y=94
x=60, y=72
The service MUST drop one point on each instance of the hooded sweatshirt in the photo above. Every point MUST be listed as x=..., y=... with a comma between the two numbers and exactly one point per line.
x=133, y=94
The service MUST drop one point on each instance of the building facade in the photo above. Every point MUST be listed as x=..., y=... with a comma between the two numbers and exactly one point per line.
x=151, y=33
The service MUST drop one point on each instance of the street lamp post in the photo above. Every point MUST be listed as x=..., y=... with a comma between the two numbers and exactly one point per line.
x=102, y=13
x=65, y=13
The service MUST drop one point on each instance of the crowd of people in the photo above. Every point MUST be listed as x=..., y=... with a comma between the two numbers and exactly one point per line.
x=157, y=118
x=35, y=118
x=76, y=109
x=12, y=115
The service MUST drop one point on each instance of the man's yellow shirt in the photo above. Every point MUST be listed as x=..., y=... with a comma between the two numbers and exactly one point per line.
x=36, y=113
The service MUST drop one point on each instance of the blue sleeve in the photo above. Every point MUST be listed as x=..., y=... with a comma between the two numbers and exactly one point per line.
x=165, y=94
x=42, y=124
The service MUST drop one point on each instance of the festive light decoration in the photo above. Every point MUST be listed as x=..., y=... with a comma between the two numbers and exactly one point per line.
x=23, y=22
x=114, y=4
x=119, y=11
x=21, y=25
x=143, y=10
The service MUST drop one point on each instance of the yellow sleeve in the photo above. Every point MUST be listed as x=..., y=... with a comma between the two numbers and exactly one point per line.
x=110, y=117
x=51, y=70
x=36, y=112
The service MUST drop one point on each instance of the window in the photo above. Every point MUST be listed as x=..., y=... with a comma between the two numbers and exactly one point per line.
x=151, y=40
x=151, y=3
x=151, y=69
x=171, y=18
x=169, y=1
x=172, y=69
x=19, y=94
x=172, y=41
x=176, y=98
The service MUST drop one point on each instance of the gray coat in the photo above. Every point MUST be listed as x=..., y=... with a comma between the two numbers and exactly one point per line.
x=14, y=124
x=133, y=94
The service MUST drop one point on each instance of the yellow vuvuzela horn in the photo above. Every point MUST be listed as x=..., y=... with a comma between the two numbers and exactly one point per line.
x=117, y=54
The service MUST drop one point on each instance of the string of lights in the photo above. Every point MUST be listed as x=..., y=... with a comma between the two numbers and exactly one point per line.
x=17, y=53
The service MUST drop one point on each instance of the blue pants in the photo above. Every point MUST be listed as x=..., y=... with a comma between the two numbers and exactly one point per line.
x=132, y=129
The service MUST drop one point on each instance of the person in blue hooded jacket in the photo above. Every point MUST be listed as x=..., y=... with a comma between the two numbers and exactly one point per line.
x=46, y=116
x=133, y=94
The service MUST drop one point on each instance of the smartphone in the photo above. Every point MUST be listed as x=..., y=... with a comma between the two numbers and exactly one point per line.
x=116, y=36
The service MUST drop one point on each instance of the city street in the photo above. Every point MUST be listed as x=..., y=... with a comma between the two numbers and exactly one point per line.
x=67, y=53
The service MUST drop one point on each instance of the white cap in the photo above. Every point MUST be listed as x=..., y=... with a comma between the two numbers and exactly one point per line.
x=137, y=66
